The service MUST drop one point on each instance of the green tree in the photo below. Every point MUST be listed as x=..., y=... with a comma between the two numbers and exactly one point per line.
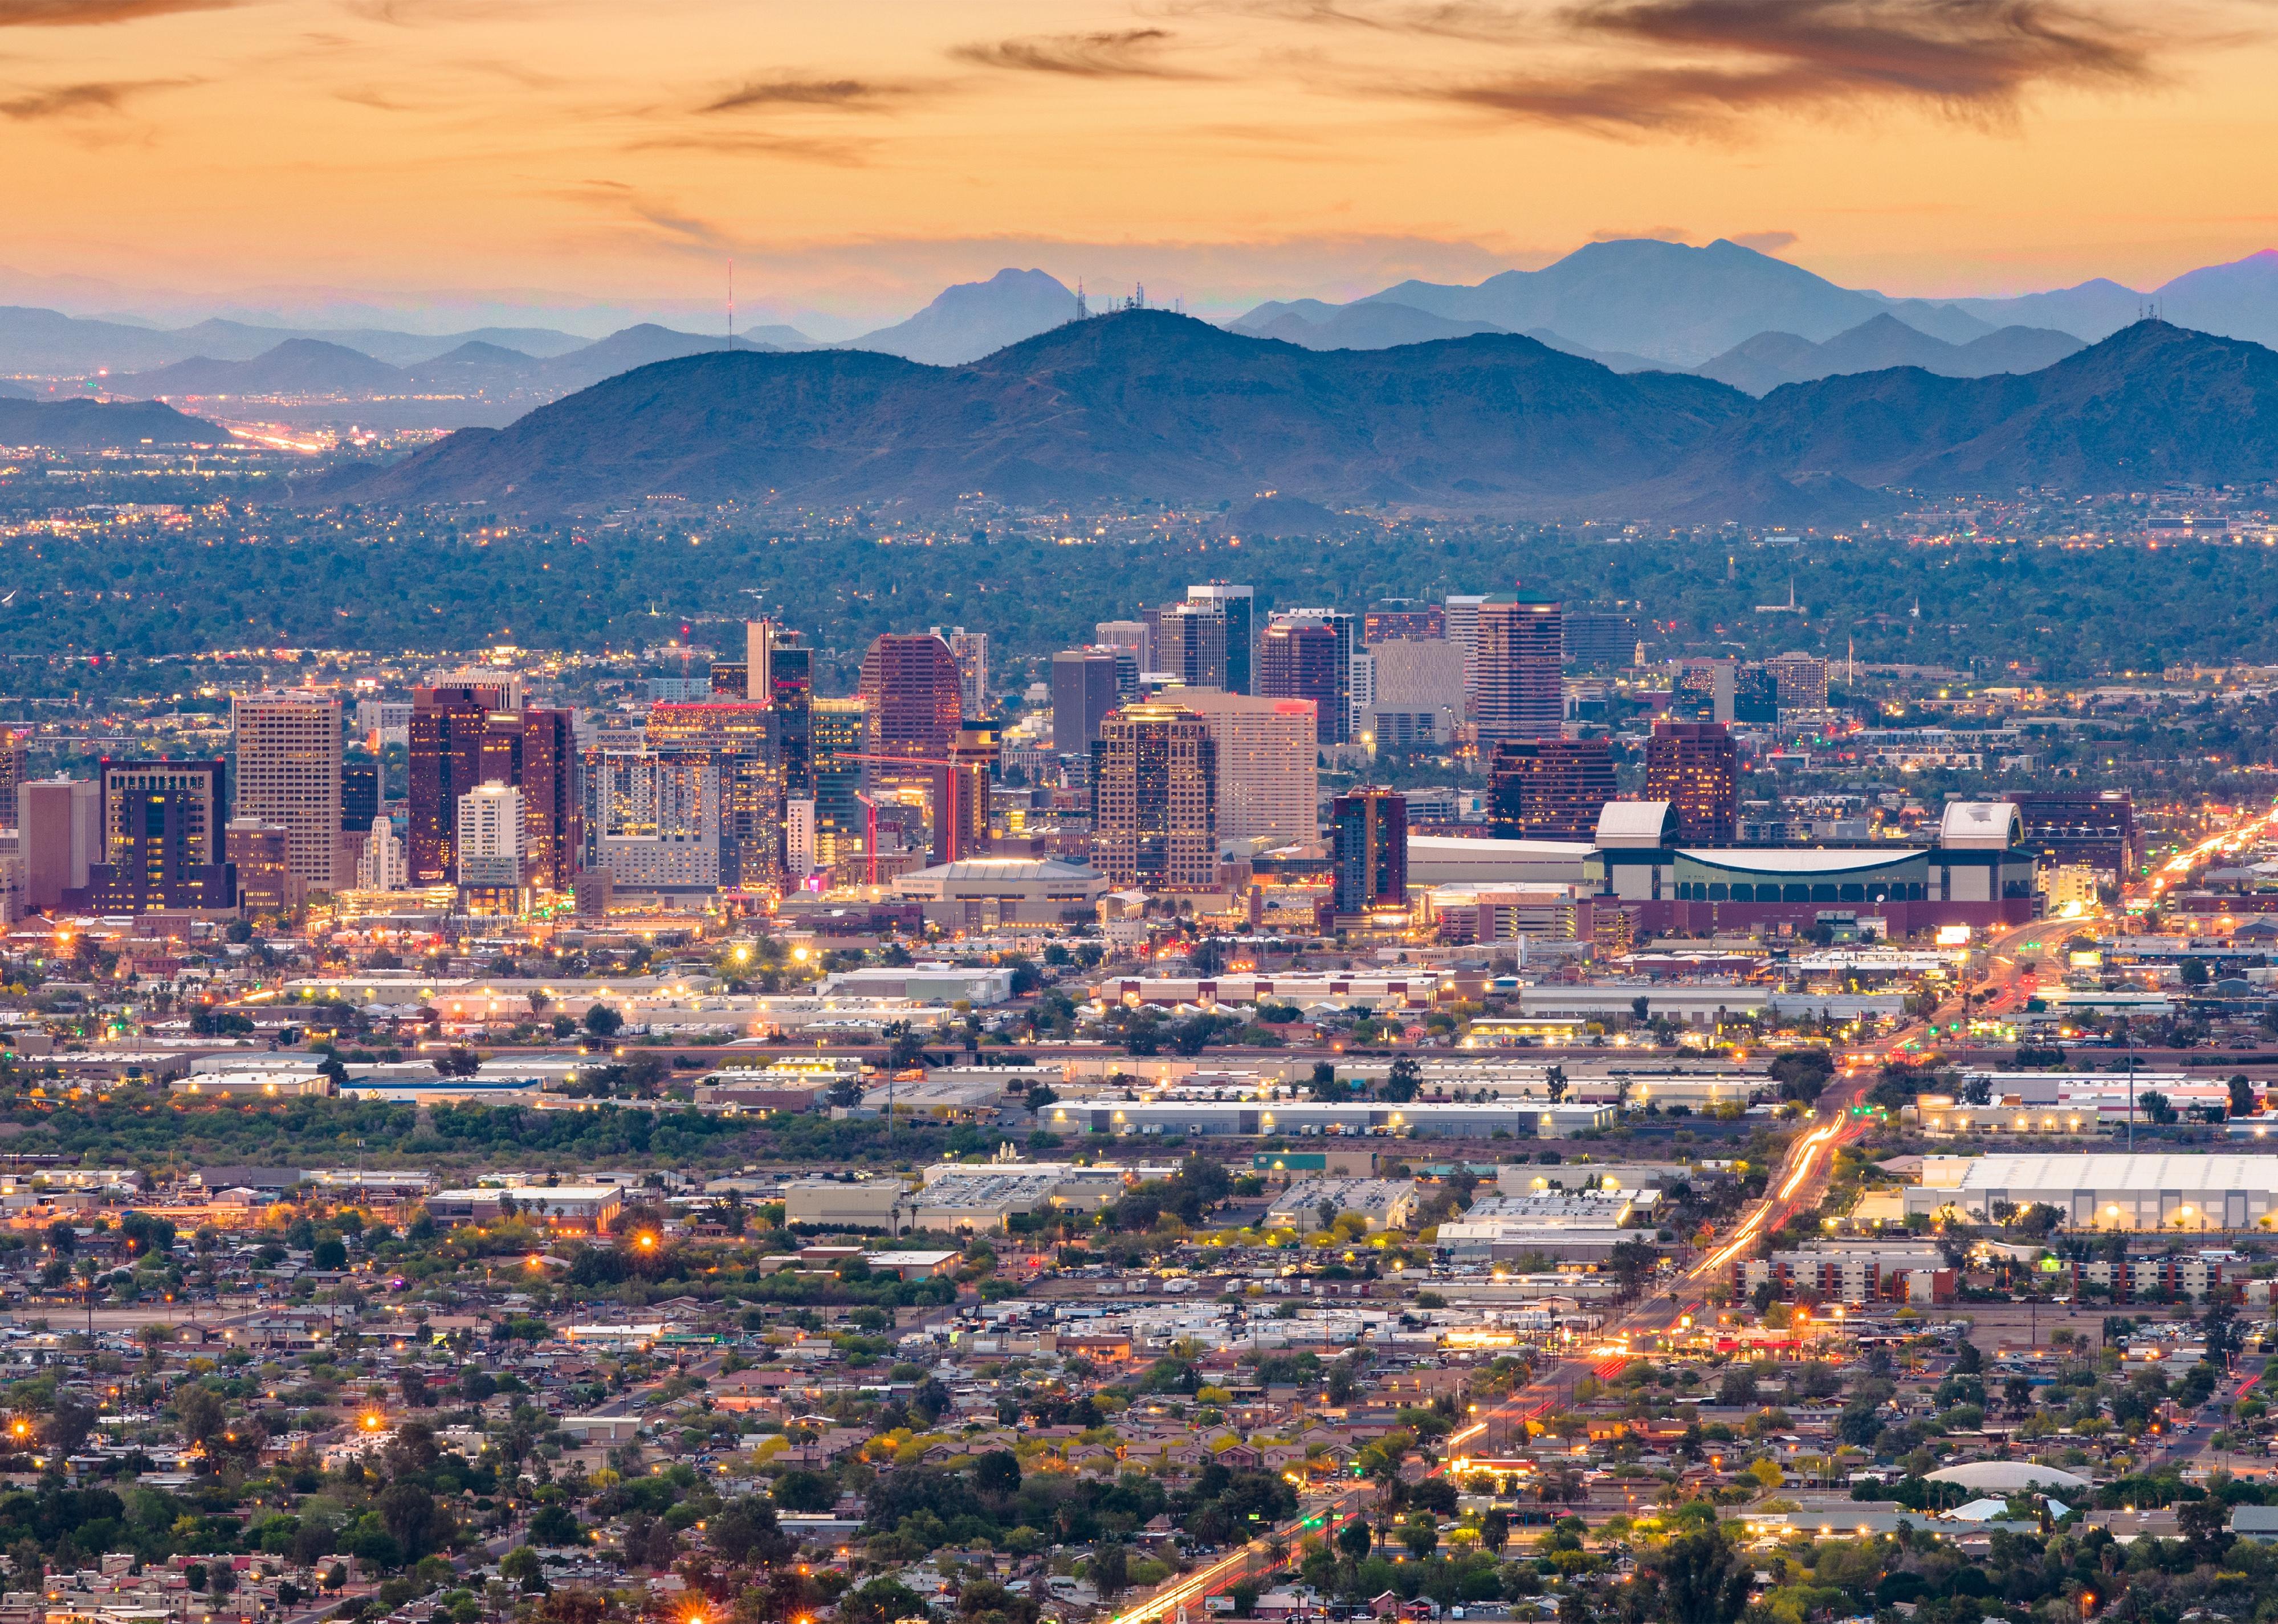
x=1696, y=1579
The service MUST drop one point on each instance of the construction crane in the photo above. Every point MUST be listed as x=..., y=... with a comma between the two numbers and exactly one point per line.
x=870, y=831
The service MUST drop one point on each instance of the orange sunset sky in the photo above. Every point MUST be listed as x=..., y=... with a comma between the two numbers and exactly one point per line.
x=852, y=156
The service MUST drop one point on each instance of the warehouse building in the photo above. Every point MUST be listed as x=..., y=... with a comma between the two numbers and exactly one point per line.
x=1382, y=1203
x=1577, y=1227
x=1251, y=1118
x=2162, y=1193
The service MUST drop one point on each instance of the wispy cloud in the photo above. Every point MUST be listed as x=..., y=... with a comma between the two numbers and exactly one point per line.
x=1679, y=65
x=75, y=13
x=842, y=153
x=1121, y=53
x=66, y=100
x=845, y=95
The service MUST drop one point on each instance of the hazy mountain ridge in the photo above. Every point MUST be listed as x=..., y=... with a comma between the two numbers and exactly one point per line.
x=1764, y=362
x=98, y=425
x=1145, y=404
x=1684, y=306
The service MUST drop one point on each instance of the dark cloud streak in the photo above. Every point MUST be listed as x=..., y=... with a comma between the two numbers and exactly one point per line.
x=66, y=101
x=1123, y=53
x=1641, y=66
x=849, y=95
x=79, y=14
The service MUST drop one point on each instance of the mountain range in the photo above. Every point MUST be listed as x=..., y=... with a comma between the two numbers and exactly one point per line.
x=1633, y=304
x=1144, y=404
x=1762, y=364
x=317, y=367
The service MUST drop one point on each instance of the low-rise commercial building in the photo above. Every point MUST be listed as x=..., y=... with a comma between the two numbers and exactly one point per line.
x=1854, y=1271
x=1317, y=1203
x=1252, y=1118
x=984, y=892
x=2149, y=1192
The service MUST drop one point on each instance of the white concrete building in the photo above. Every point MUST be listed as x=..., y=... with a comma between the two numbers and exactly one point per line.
x=380, y=865
x=1383, y=1203
x=983, y=893
x=2159, y=1192
x=491, y=837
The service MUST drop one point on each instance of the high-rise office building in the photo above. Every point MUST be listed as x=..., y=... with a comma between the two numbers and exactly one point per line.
x=1337, y=720
x=260, y=854
x=741, y=741
x=758, y=659
x=1086, y=686
x=1520, y=650
x=1461, y=616
x=15, y=767
x=458, y=744
x=841, y=818
x=552, y=811
x=1268, y=764
x=914, y=694
x=1599, y=641
x=656, y=818
x=792, y=697
x=61, y=837
x=1404, y=620
x=1154, y=799
x=1299, y=659
x=359, y=796
x=1237, y=606
x=1136, y=639
x=1695, y=767
x=445, y=760
x=163, y=845
x=1190, y=643
x=970, y=650
x=494, y=690
x=972, y=762
x=491, y=837
x=1800, y=680
x=288, y=773
x=1369, y=859
x=1755, y=697
x=1550, y=788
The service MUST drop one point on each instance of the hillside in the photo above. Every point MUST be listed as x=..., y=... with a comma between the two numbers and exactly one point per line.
x=1142, y=403
x=2153, y=404
x=100, y=425
x=1145, y=404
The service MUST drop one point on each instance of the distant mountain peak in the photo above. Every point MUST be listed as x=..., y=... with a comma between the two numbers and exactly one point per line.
x=972, y=319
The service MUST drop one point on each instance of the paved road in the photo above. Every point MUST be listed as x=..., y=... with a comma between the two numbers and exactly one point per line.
x=1798, y=1185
